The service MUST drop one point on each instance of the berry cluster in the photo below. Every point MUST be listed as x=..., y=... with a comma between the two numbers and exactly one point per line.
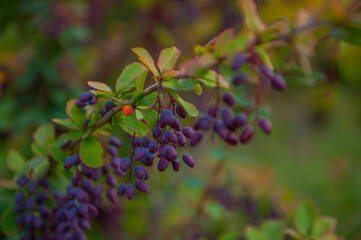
x=229, y=123
x=85, y=99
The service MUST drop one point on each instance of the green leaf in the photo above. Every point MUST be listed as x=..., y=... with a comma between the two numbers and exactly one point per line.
x=143, y=128
x=168, y=58
x=100, y=86
x=75, y=135
x=148, y=100
x=128, y=76
x=8, y=219
x=37, y=149
x=198, y=89
x=42, y=134
x=34, y=162
x=90, y=151
x=66, y=123
x=265, y=57
x=190, y=108
x=350, y=34
x=150, y=117
x=233, y=235
x=305, y=218
x=131, y=122
x=75, y=113
x=273, y=230
x=249, y=11
x=146, y=59
x=323, y=226
x=223, y=38
x=210, y=78
x=15, y=161
x=140, y=85
x=254, y=234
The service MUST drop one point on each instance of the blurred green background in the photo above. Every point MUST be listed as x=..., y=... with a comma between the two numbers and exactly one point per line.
x=49, y=49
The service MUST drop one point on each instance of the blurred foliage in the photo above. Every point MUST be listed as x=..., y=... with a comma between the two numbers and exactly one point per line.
x=49, y=49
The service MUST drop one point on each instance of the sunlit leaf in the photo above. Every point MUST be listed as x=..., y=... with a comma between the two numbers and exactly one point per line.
x=145, y=58
x=15, y=161
x=130, y=73
x=100, y=86
x=210, y=79
x=90, y=151
x=168, y=58
x=190, y=108
x=139, y=87
x=150, y=117
x=75, y=113
x=254, y=234
x=131, y=122
x=305, y=218
x=249, y=11
x=66, y=123
x=273, y=230
x=148, y=100
x=323, y=226
x=42, y=134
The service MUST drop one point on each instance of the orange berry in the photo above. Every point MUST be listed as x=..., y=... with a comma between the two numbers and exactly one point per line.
x=127, y=109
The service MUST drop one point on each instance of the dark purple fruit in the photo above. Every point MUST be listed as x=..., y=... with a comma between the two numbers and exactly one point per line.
x=188, y=132
x=176, y=124
x=232, y=139
x=112, y=195
x=247, y=134
x=114, y=141
x=162, y=165
x=221, y=130
x=227, y=117
x=113, y=152
x=129, y=191
x=170, y=153
x=212, y=111
x=170, y=136
x=68, y=163
x=125, y=164
x=278, y=82
x=166, y=117
x=188, y=159
x=115, y=162
x=152, y=147
x=266, y=71
x=176, y=165
x=181, y=111
x=23, y=180
x=121, y=189
x=228, y=98
x=141, y=186
x=239, y=61
x=157, y=131
x=109, y=105
x=239, y=121
x=148, y=160
x=140, y=153
x=182, y=141
x=196, y=138
x=145, y=142
x=239, y=79
x=266, y=125
x=111, y=181
x=141, y=173
x=85, y=97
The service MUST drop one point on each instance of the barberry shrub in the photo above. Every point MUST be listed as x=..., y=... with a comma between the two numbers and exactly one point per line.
x=146, y=102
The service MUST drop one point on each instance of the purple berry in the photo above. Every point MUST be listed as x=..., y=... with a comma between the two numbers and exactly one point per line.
x=116, y=142
x=85, y=97
x=113, y=152
x=145, y=142
x=141, y=173
x=176, y=124
x=166, y=117
x=157, y=131
x=196, y=138
x=239, y=61
x=23, y=180
x=228, y=98
x=152, y=147
x=148, y=160
x=176, y=165
x=125, y=164
x=162, y=165
x=68, y=163
x=115, y=162
x=181, y=139
x=129, y=191
x=232, y=139
x=212, y=111
x=170, y=153
x=109, y=105
x=266, y=125
x=32, y=187
x=188, y=132
x=121, y=189
x=111, y=181
x=93, y=211
x=239, y=79
x=221, y=130
x=266, y=71
x=140, y=153
x=278, y=82
x=112, y=195
x=247, y=134
x=188, y=159
x=239, y=121
x=170, y=136
x=181, y=111
x=227, y=117
x=141, y=186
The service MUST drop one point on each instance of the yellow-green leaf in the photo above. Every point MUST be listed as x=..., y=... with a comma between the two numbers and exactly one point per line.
x=15, y=161
x=168, y=58
x=129, y=75
x=145, y=58
x=90, y=151
x=100, y=86
x=249, y=11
